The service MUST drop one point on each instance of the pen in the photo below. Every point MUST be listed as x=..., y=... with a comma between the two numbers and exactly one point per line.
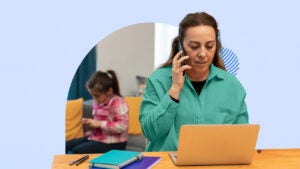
x=80, y=160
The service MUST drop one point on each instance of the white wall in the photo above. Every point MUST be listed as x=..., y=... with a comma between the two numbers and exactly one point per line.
x=164, y=35
x=130, y=52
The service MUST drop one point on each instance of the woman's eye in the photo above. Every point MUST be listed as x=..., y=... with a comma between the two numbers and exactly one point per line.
x=194, y=47
x=209, y=47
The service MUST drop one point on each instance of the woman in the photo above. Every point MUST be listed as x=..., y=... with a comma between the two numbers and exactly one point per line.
x=198, y=92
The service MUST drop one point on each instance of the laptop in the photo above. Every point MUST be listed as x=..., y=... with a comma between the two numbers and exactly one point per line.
x=222, y=144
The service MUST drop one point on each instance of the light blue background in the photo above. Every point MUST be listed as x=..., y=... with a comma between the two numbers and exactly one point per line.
x=43, y=42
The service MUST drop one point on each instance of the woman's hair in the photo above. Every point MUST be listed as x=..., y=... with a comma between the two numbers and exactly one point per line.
x=103, y=81
x=192, y=20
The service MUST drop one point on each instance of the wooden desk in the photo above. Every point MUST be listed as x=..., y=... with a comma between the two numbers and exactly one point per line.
x=267, y=159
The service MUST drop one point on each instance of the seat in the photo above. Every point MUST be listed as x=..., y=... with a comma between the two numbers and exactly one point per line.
x=137, y=141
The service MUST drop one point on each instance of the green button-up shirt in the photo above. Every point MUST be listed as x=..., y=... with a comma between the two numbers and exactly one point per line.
x=221, y=101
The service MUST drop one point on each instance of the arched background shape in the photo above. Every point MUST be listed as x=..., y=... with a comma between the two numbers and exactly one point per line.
x=132, y=52
x=135, y=50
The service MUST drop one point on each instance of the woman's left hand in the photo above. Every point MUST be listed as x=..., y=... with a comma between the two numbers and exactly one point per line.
x=177, y=74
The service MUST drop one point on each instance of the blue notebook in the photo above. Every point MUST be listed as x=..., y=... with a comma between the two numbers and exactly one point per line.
x=146, y=162
x=115, y=159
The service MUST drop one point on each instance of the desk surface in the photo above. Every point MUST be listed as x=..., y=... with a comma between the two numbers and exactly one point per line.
x=266, y=159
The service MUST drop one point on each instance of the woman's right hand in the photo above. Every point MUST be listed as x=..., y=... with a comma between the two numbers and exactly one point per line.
x=178, y=75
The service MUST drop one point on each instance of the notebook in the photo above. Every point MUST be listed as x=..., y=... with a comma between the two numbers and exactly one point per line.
x=146, y=162
x=115, y=159
x=216, y=144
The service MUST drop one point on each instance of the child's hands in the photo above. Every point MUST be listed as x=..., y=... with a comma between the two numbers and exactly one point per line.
x=91, y=123
x=85, y=121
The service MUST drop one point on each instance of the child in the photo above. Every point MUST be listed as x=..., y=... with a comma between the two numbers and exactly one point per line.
x=110, y=117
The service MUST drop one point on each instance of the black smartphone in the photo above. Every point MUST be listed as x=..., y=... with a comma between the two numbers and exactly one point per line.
x=180, y=47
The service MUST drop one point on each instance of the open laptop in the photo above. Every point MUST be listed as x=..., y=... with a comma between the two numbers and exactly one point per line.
x=222, y=144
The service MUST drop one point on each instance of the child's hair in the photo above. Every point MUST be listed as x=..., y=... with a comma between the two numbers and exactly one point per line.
x=102, y=81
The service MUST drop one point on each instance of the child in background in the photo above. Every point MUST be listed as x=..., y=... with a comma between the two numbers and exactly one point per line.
x=110, y=117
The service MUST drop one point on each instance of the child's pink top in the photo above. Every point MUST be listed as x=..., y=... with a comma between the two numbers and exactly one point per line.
x=113, y=115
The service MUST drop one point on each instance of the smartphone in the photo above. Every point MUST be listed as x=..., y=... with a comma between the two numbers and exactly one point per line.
x=180, y=47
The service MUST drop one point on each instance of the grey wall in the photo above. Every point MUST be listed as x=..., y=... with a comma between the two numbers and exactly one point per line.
x=129, y=52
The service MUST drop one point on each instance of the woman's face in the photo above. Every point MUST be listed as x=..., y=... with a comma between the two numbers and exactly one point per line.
x=200, y=45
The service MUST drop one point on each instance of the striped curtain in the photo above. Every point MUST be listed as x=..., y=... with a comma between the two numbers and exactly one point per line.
x=83, y=73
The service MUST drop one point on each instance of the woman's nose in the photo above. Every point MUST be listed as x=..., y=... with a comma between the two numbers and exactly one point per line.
x=201, y=52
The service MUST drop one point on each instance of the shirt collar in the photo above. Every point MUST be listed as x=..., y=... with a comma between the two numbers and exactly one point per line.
x=215, y=73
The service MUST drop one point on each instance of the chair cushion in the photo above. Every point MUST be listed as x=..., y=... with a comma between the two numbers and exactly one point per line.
x=73, y=119
x=134, y=111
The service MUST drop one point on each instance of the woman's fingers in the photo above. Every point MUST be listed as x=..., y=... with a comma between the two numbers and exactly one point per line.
x=176, y=59
x=177, y=62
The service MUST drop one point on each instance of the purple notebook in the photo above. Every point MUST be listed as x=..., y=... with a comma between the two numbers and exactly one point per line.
x=146, y=162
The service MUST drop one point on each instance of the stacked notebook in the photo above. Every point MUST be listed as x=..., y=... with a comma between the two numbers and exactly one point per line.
x=123, y=159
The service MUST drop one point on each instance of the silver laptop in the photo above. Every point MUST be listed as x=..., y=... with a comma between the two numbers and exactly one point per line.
x=216, y=144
